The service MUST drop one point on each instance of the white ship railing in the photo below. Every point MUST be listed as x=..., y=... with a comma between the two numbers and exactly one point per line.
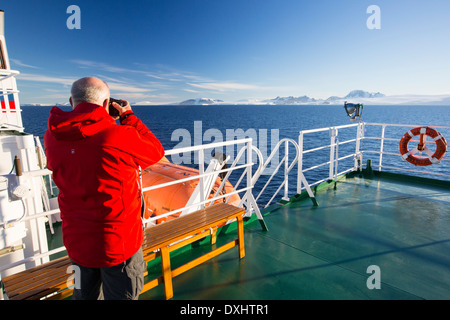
x=288, y=166
x=329, y=170
x=245, y=169
x=361, y=140
x=389, y=139
x=10, y=118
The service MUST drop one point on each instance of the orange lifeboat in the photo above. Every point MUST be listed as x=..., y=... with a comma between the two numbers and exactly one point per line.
x=176, y=196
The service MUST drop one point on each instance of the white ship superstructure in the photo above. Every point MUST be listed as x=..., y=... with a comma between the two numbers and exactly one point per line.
x=21, y=190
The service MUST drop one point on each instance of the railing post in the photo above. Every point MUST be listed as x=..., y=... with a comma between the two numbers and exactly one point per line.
x=249, y=161
x=336, y=159
x=286, y=171
x=383, y=129
x=201, y=171
x=358, y=156
x=300, y=162
x=333, y=134
x=251, y=203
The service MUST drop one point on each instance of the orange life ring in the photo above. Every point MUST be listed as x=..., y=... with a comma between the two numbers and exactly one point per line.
x=431, y=158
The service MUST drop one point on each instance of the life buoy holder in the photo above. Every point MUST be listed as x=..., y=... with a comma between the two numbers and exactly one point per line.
x=431, y=158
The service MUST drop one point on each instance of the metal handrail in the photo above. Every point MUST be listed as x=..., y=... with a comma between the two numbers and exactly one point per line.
x=8, y=73
x=382, y=151
x=8, y=87
x=334, y=157
x=359, y=151
x=288, y=168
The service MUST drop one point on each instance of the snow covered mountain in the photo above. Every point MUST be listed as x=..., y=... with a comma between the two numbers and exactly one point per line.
x=200, y=102
x=353, y=95
x=291, y=100
x=363, y=94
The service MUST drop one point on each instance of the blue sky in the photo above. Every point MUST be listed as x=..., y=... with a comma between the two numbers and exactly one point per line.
x=163, y=51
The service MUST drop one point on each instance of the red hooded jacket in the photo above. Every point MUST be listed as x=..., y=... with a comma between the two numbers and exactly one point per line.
x=95, y=166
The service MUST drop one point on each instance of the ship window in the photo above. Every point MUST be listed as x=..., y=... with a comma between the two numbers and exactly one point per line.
x=2, y=59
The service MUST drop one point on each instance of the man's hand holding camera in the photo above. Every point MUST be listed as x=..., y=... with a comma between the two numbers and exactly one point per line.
x=118, y=107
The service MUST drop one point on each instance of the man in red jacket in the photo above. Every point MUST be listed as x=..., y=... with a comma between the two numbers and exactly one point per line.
x=95, y=165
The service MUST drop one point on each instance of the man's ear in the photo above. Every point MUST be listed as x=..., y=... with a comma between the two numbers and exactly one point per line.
x=106, y=104
x=71, y=103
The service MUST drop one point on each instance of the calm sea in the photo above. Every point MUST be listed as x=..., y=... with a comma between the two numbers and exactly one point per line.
x=178, y=126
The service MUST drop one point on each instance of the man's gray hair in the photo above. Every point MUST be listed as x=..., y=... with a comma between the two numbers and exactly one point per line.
x=87, y=90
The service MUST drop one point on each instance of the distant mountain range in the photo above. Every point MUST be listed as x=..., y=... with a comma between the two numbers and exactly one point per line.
x=291, y=100
x=355, y=96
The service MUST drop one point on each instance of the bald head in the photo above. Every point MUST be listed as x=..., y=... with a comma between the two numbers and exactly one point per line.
x=90, y=90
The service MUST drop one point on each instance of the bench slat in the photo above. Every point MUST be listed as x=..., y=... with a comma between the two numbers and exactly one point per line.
x=43, y=280
x=31, y=282
x=23, y=275
x=54, y=284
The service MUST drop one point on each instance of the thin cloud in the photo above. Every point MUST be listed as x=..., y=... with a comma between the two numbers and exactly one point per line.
x=190, y=90
x=113, y=86
x=133, y=83
x=127, y=88
x=21, y=64
x=224, y=86
x=163, y=73
x=103, y=66
x=48, y=79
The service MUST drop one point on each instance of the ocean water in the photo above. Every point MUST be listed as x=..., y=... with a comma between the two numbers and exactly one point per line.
x=289, y=120
x=181, y=126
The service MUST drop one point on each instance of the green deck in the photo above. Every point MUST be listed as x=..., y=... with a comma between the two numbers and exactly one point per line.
x=401, y=226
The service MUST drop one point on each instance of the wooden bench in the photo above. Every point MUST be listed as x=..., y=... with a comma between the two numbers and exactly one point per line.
x=196, y=226
x=38, y=282
x=50, y=280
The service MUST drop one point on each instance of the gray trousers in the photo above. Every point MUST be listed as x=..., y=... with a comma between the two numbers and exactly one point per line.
x=121, y=282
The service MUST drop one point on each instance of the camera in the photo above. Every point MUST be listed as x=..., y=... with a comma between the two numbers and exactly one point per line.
x=113, y=112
